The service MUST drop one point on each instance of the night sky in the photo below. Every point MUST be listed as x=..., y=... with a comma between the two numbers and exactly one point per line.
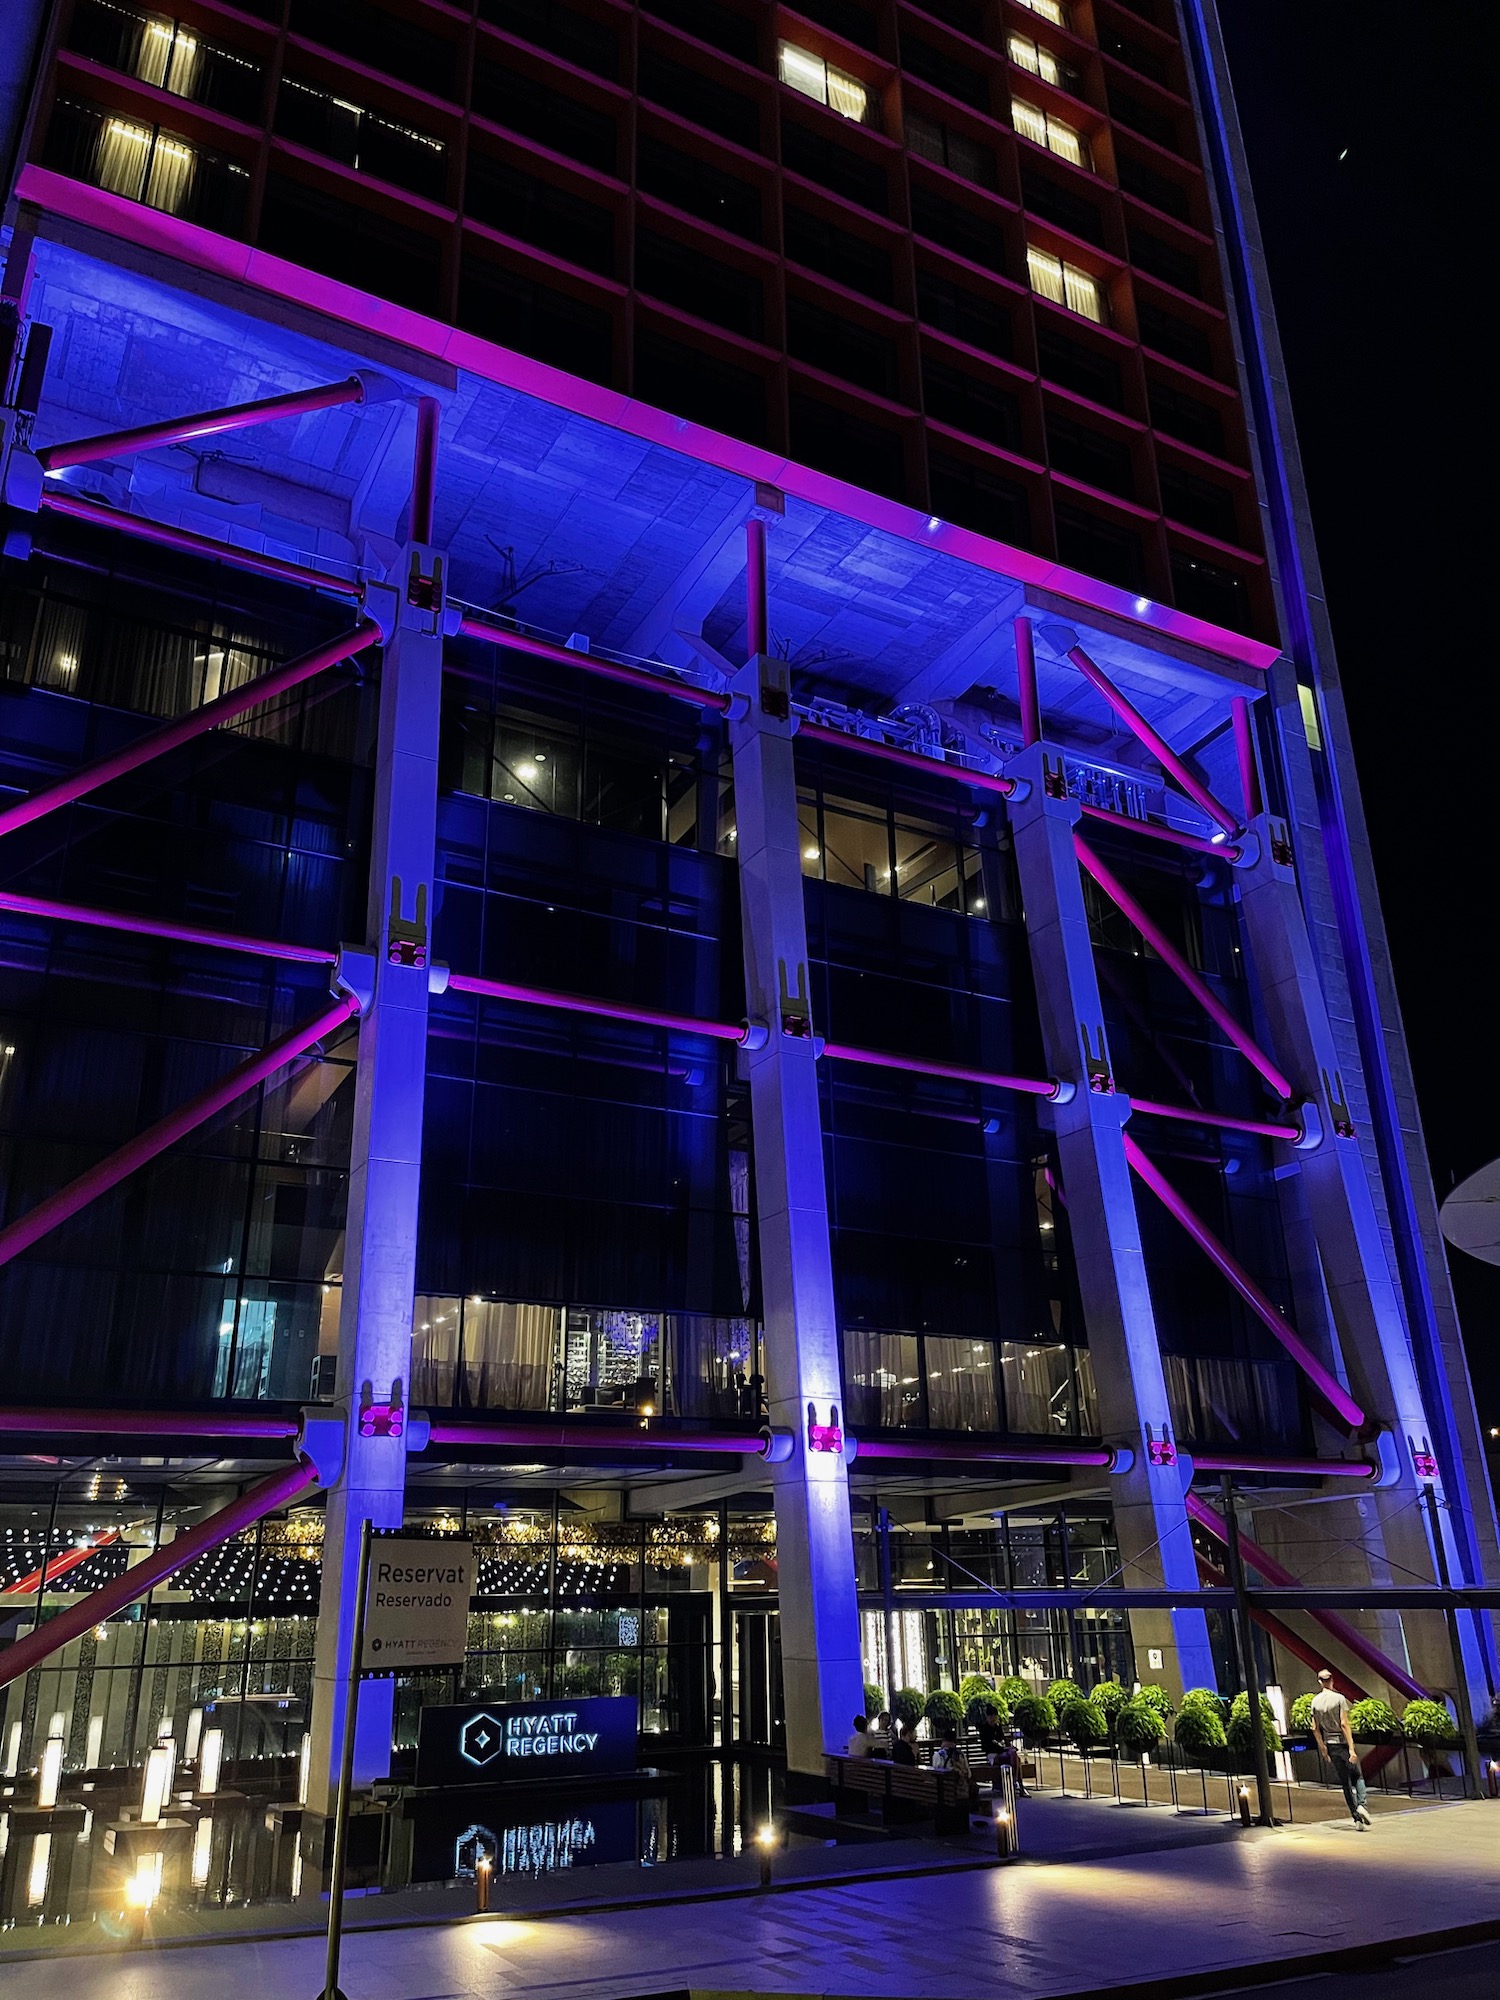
x=1366, y=139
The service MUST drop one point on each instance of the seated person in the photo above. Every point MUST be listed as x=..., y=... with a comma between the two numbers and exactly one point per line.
x=880, y=1734
x=859, y=1739
x=903, y=1748
x=949, y=1756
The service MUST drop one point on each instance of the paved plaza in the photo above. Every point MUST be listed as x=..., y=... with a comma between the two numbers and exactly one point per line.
x=1033, y=1929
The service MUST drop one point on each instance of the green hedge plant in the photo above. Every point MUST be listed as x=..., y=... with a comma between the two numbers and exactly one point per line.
x=1429, y=1725
x=1300, y=1719
x=1199, y=1729
x=907, y=1706
x=1157, y=1698
x=1238, y=1730
x=1063, y=1692
x=974, y=1690
x=944, y=1710
x=1373, y=1721
x=875, y=1700
x=1111, y=1697
x=1011, y=1690
x=1140, y=1728
x=1035, y=1717
x=1085, y=1723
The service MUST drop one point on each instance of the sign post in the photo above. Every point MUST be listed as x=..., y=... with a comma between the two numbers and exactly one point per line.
x=411, y=1610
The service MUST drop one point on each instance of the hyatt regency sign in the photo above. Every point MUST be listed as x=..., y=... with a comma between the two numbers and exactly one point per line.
x=493, y=1743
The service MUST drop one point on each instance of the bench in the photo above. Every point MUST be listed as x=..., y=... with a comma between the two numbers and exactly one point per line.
x=906, y=1791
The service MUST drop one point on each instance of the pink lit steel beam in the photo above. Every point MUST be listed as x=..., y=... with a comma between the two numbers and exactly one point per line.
x=137, y=1152
x=114, y=920
x=1195, y=843
x=156, y=742
x=80, y=508
x=1294, y=1468
x=887, y=753
x=636, y=1437
x=1031, y=707
x=1336, y=1627
x=579, y=1003
x=973, y=1451
x=1299, y=1648
x=1333, y=1392
x=143, y=1423
x=424, y=469
x=210, y=423
x=279, y=1490
x=1160, y=943
x=1219, y=1121
x=591, y=663
x=1162, y=751
x=1028, y=1086
x=1244, y=752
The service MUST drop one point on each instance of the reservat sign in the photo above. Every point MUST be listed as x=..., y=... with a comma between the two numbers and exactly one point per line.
x=492, y=1743
x=416, y=1604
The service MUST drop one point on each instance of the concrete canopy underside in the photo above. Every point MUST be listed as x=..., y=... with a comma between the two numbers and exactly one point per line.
x=581, y=525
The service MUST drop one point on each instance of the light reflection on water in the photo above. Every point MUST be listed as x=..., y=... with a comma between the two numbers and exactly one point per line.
x=92, y=1862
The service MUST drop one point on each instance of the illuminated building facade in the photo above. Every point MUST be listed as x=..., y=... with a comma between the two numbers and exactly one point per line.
x=807, y=1034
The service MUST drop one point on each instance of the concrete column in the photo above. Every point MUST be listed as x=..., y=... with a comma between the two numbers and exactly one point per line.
x=374, y=1356
x=1150, y=1517
x=1346, y=1256
x=820, y=1648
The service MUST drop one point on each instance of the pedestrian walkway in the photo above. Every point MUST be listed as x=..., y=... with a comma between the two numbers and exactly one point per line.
x=1002, y=1932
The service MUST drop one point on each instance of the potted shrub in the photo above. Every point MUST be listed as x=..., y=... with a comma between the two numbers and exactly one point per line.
x=1140, y=1728
x=907, y=1705
x=974, y=1690
x=1199, y=1730
x=1111, y=1697
x=1063, y=1692
x=1036, y=1718
x=944, y=1711
x=1011, y=1690
x=1084, y=1723
x=875, y=1700
x=1241, y=1741
x=1429, y=1725
x=1299, y=1718
x=1157, y=1698
x=1372, y=1721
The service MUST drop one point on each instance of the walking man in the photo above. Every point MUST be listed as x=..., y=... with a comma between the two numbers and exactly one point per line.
x=1330, y=1720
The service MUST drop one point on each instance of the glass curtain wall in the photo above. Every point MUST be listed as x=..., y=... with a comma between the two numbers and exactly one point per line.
x=208, y=1274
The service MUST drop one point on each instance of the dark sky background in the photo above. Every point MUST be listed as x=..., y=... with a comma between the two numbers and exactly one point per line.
x=1370, y=161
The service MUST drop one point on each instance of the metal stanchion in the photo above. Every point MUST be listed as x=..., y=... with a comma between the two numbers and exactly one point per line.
x=765, y=1847
x=331, y=1990
x=1003, y=1806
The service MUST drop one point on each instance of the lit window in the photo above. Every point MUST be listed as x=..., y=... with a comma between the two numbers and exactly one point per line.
x=820, y=81
x=1064, y=283
x=1050, y=132
x=1309, y=705
x=1029, y=55
x=168, y=56
x=1050, y=10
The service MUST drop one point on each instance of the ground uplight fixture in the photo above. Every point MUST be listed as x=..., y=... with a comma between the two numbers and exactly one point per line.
x=765, y=1841
x=484, y=1872
x=1245, y=1805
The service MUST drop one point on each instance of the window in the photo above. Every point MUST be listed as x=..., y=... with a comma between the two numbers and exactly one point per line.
x=814, y=78
x=961, y=1385
x=576, y=39
x=1064, y=284
x=168, y=54
x=1029, y=55
x=362, y=139
x=1050, y=10
x=1311, y=727
x=1049, y=132
x=930, y=140
x=144, y=163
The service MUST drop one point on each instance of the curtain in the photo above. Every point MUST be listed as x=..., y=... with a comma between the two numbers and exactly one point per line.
x=880, y=1379
x=1038, y=1378
x=435, y=1328
x=961, y=1385
x=509, y=1353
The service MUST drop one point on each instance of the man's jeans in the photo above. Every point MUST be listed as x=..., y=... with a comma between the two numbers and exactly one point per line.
x=1351, y=1778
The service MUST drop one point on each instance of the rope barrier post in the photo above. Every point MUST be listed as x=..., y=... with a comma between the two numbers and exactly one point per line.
x=1249, y=1665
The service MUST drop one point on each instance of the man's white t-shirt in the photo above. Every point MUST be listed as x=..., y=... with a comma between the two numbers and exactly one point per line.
x=859, y=1744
